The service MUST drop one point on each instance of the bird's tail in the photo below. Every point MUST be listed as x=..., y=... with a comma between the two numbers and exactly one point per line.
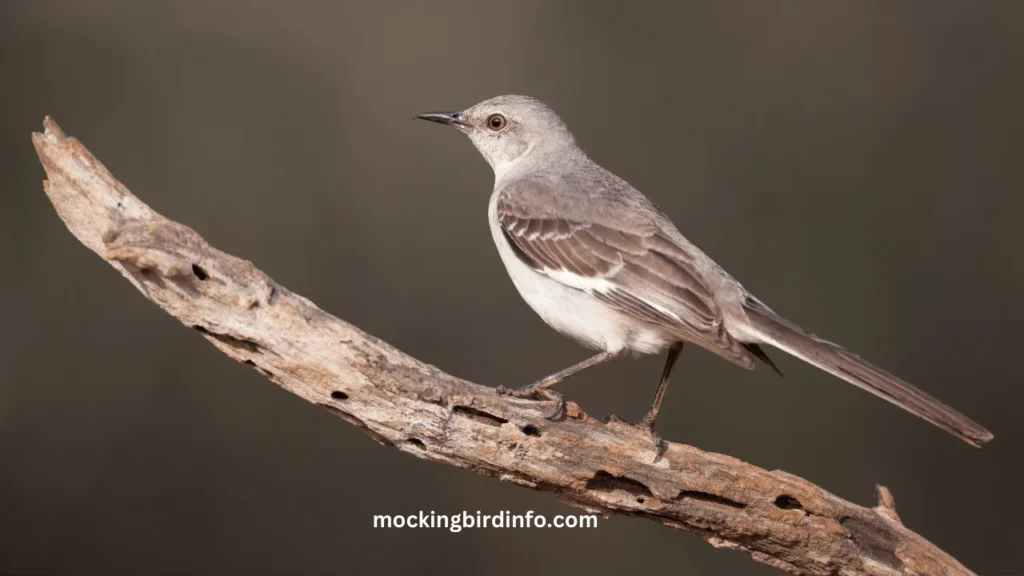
x=769, y=328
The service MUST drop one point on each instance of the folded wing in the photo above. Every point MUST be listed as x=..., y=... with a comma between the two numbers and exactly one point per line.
x=637, y=270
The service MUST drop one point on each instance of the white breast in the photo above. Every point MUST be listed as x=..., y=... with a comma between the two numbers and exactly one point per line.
x=569, y=309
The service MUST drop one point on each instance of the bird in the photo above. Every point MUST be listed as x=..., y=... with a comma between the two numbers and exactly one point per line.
x=602, y=264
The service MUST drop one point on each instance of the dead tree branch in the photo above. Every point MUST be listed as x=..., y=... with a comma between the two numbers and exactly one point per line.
x=609, y=468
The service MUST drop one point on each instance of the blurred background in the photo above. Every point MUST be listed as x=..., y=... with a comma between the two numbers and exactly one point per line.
x=857, y=165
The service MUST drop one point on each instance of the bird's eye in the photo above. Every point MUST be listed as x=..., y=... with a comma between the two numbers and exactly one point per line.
x=496, y=122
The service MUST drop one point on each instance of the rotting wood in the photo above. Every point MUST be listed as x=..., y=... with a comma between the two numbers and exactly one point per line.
x=609, y=468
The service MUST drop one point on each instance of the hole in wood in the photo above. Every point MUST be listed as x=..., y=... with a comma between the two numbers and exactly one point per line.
x=479, y=415
x=604, y=481
x=787, y=502
x=708, y=497
x=530, y=430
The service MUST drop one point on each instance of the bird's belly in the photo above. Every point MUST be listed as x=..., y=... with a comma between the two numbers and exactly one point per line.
x=576, y=313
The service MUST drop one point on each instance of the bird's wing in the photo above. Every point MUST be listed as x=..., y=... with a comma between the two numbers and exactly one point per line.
x=638, y=270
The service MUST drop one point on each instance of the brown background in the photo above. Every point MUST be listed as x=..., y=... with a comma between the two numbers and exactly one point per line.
x=856, y=164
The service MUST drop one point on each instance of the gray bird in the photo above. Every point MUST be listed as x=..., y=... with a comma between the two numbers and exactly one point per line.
x=599, y=262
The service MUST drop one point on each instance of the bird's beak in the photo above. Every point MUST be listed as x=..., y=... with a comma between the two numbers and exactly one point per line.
x=454, y=119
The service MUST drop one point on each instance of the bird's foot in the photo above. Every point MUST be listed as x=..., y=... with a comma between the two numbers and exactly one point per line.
x=535, y=392
x=647, y=425
x=660, y=446
x=530, y=391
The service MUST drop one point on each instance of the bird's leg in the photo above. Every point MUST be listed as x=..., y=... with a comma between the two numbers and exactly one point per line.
x=543, y=386
x=652, y=414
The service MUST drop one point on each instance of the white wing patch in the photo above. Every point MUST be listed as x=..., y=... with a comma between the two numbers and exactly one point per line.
x=660, y=308
x=602, y=285
x=578, y=282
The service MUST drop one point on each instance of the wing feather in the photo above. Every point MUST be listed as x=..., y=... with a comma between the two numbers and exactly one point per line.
x=646, y=275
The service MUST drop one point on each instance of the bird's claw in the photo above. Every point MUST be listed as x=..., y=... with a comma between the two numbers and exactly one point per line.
x=537, y=393
x=660, y=446
x=530, y=391
x=559, y=406
x=646, y=425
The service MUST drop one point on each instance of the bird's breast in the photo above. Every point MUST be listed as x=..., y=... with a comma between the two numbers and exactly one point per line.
x=572, y=311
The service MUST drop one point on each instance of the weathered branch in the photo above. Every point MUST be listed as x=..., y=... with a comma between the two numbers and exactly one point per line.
x=610, y=468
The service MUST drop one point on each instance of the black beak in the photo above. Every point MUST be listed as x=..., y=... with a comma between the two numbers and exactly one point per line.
x=457, y=119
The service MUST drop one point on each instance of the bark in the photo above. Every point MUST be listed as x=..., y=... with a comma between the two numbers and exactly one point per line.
x=604, y=467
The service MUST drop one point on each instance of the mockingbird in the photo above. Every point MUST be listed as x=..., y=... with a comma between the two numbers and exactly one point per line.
x=599, y=262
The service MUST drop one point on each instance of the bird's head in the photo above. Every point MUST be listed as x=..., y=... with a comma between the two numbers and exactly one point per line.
x=507, y=129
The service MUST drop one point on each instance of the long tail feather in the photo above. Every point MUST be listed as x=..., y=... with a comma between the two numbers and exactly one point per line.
x=770, y=328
